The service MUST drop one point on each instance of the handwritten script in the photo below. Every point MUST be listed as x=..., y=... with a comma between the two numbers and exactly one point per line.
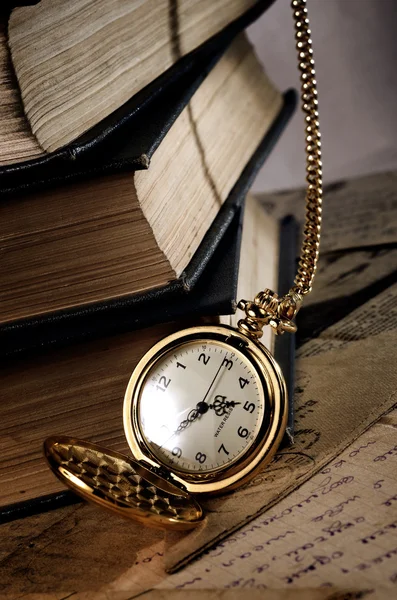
x=339, y=529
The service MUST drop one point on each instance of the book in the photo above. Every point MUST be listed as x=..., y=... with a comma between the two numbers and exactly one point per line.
x=101, y=54
x=79, y=390
x=24, y=161
x=56, y=270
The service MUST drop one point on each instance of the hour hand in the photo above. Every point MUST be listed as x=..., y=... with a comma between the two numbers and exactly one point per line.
x=221, y=405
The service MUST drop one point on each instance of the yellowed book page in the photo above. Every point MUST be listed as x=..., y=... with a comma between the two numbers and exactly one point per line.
x=71, y=246
x=77, y=62
x=17, y=143
x=206, y=150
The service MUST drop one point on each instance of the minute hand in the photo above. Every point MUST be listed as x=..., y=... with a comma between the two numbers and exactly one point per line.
x=212, y=382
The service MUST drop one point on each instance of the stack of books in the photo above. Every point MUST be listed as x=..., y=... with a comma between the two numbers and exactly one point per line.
x=129, y=136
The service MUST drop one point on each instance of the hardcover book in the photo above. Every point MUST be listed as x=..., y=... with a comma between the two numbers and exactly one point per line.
x=126, y=251
x=163, y=67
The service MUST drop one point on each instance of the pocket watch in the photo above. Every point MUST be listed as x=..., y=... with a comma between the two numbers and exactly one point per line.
x=206, y=407
x=209, y=405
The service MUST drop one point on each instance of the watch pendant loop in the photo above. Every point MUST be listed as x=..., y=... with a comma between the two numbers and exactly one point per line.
x=268, y=309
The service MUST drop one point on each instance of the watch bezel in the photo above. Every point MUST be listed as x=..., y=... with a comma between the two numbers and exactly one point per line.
x=268, y=438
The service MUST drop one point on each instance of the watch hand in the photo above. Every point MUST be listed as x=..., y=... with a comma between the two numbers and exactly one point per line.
x=221, y=405
x=201, y=408
x=192, y=416
x=212, y=382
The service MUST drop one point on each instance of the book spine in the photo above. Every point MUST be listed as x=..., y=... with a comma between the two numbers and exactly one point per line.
x=285, y=345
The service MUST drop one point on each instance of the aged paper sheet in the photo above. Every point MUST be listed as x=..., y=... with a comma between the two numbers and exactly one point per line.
x=338, y=530
x=356, y=213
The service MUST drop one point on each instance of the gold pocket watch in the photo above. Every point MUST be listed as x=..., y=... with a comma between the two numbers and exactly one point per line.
x=206, y=407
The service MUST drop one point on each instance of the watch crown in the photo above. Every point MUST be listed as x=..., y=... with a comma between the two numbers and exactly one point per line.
x=268, y=309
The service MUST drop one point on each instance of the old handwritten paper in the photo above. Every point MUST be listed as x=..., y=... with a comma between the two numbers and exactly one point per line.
x=339, y=529
x=282, y=594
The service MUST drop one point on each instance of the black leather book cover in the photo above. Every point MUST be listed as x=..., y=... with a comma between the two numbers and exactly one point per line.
x=205, y=287
x=131, y=134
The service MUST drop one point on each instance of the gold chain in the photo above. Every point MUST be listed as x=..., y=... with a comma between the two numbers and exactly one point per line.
x=267, y=308
x=312, y=231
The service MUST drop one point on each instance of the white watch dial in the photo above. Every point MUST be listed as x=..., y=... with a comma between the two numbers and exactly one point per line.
x=201, y=406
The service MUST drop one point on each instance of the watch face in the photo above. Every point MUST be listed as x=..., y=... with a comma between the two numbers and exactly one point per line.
x=201, y=406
